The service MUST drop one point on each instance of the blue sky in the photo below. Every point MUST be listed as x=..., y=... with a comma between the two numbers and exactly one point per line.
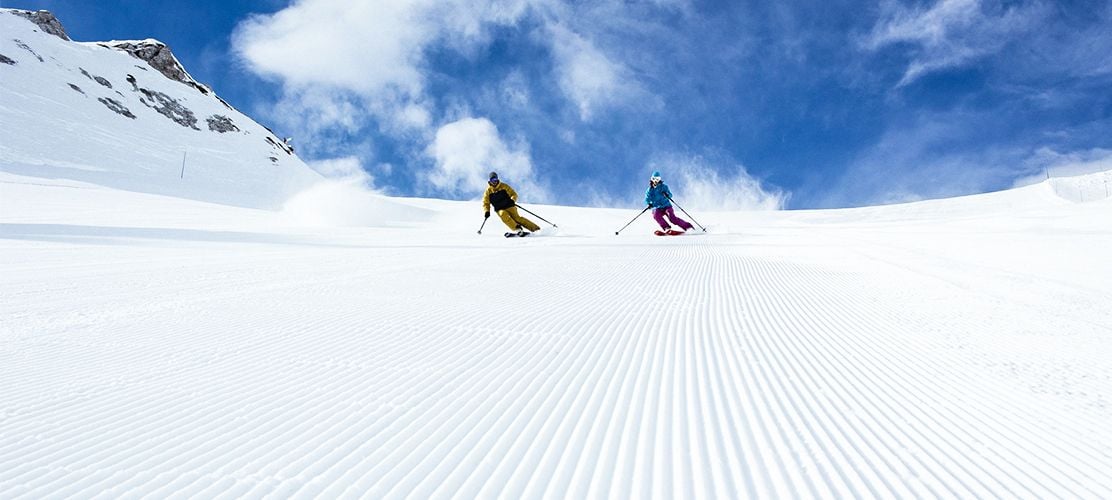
x=740, y=104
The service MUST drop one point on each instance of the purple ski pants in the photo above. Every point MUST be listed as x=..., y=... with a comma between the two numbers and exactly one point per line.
x=660, y=213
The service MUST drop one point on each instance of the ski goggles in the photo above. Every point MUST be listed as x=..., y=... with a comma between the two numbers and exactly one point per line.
x=494, y=182
x=655, y=179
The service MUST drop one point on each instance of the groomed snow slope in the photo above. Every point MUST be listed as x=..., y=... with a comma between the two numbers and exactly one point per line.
x=168, y=348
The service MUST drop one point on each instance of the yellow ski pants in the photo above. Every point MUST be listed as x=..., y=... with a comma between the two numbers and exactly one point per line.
x=513, y=219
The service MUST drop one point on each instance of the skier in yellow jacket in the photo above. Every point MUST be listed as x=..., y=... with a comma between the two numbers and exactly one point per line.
x=504, y=199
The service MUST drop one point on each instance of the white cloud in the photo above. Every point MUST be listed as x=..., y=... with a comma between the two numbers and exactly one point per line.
x=951, y=33
x=929, y=26
x=468, y=149
x=463, y=23
x=366, y=46
x=326, y=122
x=699, y=184
x=376, y=49
x=330, y=53
x=362, y=46
x=586, y=75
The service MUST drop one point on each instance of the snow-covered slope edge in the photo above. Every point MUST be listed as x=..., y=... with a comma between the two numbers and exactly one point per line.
x=127, y=115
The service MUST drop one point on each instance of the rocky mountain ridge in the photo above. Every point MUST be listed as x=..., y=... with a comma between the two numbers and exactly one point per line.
x=43, y=19
x=50, y=83
x=158, y=56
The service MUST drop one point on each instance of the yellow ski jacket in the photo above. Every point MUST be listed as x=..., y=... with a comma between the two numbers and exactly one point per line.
x=501, y=196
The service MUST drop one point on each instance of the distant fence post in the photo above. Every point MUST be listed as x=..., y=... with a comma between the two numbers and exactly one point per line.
x=183, y=154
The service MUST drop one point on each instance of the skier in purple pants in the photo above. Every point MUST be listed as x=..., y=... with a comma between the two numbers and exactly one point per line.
x=659, y=197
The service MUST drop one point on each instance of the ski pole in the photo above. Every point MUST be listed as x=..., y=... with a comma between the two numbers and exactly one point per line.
x=534, y=215
x=687, y=214
x=633, y=219
x=483, y=224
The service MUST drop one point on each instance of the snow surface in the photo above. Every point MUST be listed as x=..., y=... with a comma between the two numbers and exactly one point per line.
x=250, y=331
x=164, y=347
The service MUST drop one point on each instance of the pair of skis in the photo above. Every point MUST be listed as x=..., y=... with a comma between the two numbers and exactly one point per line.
x=670, y=232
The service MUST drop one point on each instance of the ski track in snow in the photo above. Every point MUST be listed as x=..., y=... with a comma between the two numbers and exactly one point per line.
x=786, y=362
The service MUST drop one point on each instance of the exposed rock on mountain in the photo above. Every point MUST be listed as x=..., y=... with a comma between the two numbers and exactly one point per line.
x=98, y=79
x=45, y=20
x=168, y=106
x=159, y=57
x=19, y=43
x=222, y=124
x=114, y=105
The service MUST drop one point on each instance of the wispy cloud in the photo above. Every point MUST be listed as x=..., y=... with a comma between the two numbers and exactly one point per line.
x=930, y=157
x=465, y=151
x=951, y=33
x=323, y=123
x=590, y=78
x=703, y=184
x=1069, y=45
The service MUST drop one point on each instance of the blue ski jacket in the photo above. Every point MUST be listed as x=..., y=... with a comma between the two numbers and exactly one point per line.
x=658, y=196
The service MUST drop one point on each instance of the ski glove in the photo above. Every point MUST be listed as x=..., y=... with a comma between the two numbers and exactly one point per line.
x=486, y=215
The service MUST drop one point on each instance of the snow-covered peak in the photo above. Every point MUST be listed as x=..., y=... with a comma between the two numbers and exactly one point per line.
x=127, y=114
x=45, y=20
